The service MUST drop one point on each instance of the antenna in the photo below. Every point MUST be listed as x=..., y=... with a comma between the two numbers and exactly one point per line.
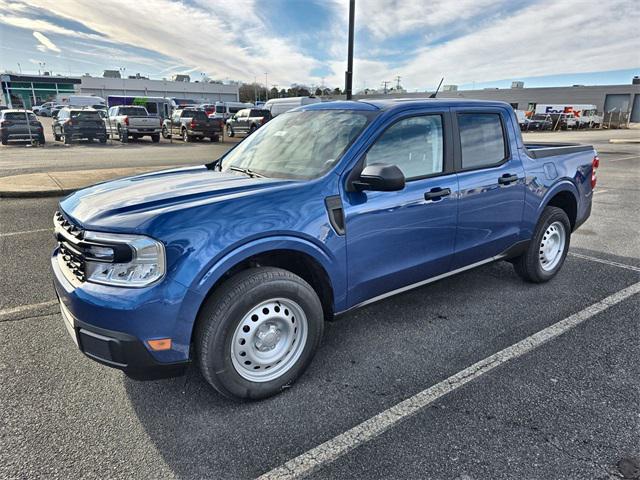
x=433, y=95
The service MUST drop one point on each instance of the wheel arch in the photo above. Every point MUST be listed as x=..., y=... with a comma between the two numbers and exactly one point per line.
x=565, y=197
x=298, y=256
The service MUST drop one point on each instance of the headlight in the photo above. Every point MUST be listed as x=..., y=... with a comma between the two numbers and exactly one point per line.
x=123, y=260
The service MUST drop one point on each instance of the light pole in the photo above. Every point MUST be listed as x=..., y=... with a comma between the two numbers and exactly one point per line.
x=348, y=75
x=41, y=65
x=266, y=87
x=122, y=74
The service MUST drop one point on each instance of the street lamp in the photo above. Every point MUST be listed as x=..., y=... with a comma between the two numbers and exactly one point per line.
x=122, y=74
x=348, y=75
x=266, y=86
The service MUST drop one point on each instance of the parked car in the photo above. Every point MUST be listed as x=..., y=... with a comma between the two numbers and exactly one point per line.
x=132, y=121
x=4, y=107
x=280, y=105
x=55, y=110
x=247, y=121
x=14, y=126
x=38, y=109
x=190, y=124
x=235, y=265
x=225, y=110
x=73, y=123
x=537, y=122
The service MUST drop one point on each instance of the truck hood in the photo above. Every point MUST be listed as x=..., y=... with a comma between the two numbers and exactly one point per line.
x=127, y=203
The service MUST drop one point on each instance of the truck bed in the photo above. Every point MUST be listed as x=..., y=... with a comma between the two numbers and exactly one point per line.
x=543, y=150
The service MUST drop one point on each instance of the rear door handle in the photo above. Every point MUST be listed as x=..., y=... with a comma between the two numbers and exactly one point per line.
x=507, y=178
x=437, y=193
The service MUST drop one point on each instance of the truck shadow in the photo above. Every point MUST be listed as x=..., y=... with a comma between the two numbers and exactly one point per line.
x=370, y=359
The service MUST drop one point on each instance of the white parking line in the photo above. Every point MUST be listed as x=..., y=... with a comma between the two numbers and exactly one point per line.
x=7, y=312
x=24, y=232
x=331, y=450
x=624, y=158
x=606, y=262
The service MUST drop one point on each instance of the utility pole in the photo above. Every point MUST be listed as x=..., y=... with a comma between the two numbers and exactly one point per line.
x=348, y=76
x=397, y=82
x=266, y=86
x=122, y=74
x=384, y=85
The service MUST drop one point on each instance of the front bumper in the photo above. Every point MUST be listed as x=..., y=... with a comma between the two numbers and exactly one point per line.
x=112, y=325
x=118, y=350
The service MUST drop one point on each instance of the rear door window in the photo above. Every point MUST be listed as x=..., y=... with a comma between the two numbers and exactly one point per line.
x=482, y=140
x=19, y=117
x=89, y=116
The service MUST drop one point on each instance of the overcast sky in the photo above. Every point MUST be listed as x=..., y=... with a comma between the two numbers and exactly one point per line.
x=470, y=42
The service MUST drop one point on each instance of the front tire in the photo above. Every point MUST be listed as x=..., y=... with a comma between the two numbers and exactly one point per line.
x=258, y=333
x=165, y=133
x=548, y=247
x=185, y=136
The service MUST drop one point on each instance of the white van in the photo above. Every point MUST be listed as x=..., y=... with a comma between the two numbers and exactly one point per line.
x=81, y=101
x=226, y=110
x=280, y=105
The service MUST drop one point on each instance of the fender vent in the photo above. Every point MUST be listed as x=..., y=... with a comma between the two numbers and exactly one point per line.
x=336, y=213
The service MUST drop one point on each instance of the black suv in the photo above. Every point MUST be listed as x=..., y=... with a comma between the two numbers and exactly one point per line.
x=78, y=123
x=13, y=126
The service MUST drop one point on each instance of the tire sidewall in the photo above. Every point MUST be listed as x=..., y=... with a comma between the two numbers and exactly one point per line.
x=552, y=215
x=218, y=354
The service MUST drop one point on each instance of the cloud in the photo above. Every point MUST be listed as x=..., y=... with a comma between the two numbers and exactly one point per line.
x=45, y=43
x=463, y=40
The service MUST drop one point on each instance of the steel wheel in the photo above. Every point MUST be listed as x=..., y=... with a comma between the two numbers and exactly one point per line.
x=552, y=246
x=269, y=340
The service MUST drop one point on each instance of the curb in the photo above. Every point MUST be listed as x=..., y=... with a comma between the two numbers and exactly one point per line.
x=38, y=193
x=624, y=140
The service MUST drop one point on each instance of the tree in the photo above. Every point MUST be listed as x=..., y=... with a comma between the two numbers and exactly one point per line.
x=283, y=92
x=273, y=93
x=337, y=91
x=318, y=92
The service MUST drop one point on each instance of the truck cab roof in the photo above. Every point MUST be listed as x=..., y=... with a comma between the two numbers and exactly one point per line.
x=400, y=103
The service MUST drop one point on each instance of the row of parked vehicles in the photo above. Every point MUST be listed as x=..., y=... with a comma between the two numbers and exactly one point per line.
x=559, y=117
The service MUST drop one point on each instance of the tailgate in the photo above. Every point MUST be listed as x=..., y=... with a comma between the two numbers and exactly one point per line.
x=144, y=122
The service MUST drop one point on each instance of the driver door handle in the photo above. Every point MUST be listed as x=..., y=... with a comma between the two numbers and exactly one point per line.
x=436, y=194
x=507, y=178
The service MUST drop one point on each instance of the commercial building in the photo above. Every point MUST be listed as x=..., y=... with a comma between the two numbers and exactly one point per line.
x=30, y=90
x=616, y=101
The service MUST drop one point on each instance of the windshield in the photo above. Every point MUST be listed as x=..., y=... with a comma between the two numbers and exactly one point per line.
x=20, y=117
x=301, y=145
x=86, y=115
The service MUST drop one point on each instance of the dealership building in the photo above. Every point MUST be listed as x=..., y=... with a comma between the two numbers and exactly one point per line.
x=616, y=101
x=28, y=90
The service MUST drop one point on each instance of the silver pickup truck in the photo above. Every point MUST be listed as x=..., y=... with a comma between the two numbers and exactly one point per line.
x=132, y=121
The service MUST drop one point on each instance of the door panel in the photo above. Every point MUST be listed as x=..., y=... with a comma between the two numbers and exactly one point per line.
x=395, y=239
x=491, y=199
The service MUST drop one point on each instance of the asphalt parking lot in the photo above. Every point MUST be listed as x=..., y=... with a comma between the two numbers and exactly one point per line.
x=569, y=408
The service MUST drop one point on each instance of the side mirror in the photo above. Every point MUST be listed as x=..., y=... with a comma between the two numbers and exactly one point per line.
x=380, y=177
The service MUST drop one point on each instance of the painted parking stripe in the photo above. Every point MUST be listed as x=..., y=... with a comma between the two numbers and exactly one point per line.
x=623, y=158
x=33, y=307
x=25, y=232
x=331, y=450
x=606, y=262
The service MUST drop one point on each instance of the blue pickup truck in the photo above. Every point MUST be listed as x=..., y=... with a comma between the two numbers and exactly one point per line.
x=235, y=265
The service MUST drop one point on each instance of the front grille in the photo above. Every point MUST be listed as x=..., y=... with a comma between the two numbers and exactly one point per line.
x=69, y=236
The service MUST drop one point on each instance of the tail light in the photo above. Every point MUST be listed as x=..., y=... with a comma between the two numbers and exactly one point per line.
x=126, y=121
x=5, y=124
x=263, y=120
x=70, y=122
x=594, y=166
x=192, y=125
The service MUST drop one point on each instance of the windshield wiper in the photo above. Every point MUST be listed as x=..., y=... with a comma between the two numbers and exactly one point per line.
x=246, y=171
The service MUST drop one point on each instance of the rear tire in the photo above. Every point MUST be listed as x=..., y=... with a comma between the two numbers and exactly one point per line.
x=66, y=139
x=215, y=138
x=122, y=136
x=230, y=132
x=155, y=138
x=185, y=136
x=548, y=248
x=258, y=333
x=4, y=141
